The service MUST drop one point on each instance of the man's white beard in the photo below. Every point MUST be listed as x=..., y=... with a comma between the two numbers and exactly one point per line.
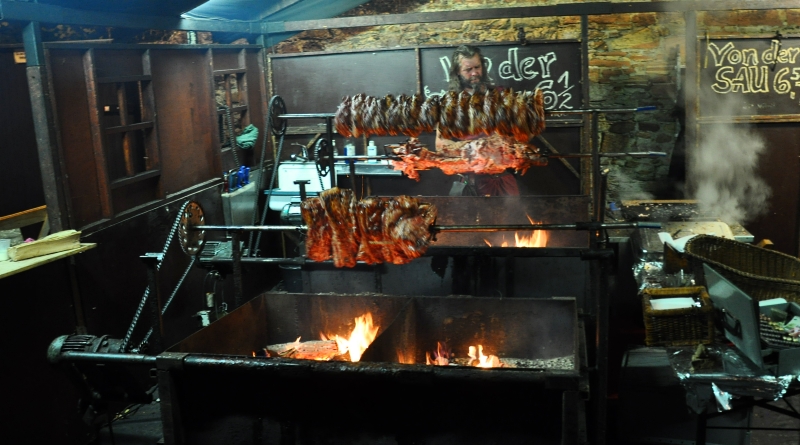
x=479, y=86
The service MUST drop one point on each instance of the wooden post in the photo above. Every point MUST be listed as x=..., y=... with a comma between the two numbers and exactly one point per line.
x=50, y=162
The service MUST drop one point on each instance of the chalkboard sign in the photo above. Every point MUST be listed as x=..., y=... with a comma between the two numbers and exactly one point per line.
x=553, y=67
x=749, y=77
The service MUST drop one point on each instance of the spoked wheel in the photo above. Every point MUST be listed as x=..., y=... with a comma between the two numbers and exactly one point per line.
x=277, y=107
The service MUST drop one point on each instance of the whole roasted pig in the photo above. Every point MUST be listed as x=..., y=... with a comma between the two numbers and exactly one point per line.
x=489, y=155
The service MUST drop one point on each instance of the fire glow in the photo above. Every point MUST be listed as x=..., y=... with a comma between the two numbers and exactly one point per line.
x=537, y=238
x=362, y=335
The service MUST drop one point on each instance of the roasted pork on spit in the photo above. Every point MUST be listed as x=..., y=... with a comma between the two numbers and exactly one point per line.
x=489, y=155
x=518, y=115
x=373, y=230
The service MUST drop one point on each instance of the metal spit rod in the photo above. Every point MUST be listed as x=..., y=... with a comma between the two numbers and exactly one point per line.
x=557, y=112
x=634, y=154
x=455, y=228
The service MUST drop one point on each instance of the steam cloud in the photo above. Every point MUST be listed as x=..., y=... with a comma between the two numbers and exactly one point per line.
x=722, y=170
x=625, y=188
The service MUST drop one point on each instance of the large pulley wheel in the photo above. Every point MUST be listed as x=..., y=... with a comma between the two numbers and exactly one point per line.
x=277, y=107
x=322, y=151
x=191, y=240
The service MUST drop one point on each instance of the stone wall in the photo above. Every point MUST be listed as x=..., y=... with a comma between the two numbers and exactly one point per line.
x=634, y=60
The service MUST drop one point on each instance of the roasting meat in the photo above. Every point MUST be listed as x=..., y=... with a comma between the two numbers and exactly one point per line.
x=318, y=236
x=489, y=155
x=372, y=230
x=518, y=115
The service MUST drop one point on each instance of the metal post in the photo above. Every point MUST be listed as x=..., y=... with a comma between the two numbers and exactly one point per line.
x=236, y=252
x=302, y=183
x=168, y=365
x=353, y=185
x=331, y=161
x=151, y=260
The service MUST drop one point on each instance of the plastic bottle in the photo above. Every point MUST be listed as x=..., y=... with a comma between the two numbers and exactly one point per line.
x=372, y=150
x=350, y=150
x=333, y=145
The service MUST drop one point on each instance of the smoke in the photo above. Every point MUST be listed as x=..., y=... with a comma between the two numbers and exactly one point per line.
x=722, y=170
x=624, y=188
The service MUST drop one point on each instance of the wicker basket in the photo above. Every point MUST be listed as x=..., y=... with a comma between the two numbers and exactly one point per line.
x=762, y=274
x=678, y=327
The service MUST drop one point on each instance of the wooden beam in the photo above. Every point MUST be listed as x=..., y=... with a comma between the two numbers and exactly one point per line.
x=24, y=218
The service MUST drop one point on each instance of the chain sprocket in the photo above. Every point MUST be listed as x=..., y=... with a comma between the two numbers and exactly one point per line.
x=321, y=154
x=191, y=240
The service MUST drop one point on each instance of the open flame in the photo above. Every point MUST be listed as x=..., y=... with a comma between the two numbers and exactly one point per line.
x=537, y=238
x=362, y=335
x=441, y=357
x=483, y=361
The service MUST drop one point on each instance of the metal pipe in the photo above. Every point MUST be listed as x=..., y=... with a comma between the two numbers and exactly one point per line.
x=107, y=357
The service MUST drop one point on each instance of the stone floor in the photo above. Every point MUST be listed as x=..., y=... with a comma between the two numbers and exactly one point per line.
x=765, y=418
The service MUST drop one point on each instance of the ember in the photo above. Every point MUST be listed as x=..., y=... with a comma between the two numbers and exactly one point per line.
x=537, y=238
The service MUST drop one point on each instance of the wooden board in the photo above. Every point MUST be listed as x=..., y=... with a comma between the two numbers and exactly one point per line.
x=57, y=242
x=8, y=268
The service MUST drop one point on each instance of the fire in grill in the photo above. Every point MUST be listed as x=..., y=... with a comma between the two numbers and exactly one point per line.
x=390, y=395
